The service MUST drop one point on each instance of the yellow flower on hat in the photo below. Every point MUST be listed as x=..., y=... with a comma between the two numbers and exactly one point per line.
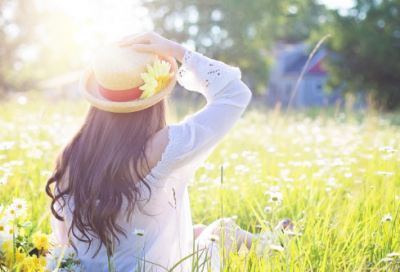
x=156, y=78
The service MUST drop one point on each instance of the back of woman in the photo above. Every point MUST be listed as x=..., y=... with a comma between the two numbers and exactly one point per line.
x=120, y=194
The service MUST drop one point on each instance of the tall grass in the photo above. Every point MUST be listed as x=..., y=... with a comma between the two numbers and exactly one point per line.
x=338, y=175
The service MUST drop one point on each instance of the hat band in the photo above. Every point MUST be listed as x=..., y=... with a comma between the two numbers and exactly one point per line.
x=120, y=96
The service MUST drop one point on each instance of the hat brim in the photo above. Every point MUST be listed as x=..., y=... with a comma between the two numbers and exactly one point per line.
x=90, y=91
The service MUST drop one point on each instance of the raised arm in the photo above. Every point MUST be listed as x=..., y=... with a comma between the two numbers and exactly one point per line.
x=191, y=141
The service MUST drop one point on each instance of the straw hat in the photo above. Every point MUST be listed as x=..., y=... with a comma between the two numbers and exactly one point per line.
x=112, y=82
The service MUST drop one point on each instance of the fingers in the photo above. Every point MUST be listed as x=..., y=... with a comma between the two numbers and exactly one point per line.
x=138, y=38
x=144, y=48
x=125, y=39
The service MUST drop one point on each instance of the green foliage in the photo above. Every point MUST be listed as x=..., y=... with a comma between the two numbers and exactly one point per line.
x=237, y=32
x=366, y=46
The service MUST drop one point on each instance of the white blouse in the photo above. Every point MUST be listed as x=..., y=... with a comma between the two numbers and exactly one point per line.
x=168, y=229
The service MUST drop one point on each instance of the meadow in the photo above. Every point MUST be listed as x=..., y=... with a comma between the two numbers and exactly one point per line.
x=338, y=175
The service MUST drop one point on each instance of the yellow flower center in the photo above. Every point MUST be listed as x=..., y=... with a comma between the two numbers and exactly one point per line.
x=1, y=228
x=12, y=212
x=19, y=206
x=11, y=231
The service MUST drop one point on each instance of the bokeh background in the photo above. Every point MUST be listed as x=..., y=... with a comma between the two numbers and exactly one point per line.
x=45, y=45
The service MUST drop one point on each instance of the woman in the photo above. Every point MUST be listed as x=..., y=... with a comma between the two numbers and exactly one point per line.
x=121, y=182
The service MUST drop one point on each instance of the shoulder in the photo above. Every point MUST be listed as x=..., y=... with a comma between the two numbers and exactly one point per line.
x=156, y=146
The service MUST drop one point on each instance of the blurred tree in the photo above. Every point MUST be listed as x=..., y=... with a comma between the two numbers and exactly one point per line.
x=33, y=44
x=239, y=32
x=366, y=46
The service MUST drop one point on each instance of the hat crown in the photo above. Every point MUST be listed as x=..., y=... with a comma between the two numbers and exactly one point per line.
x=118, y=68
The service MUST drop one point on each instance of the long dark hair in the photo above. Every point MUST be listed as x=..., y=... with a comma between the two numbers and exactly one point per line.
x=103, y=161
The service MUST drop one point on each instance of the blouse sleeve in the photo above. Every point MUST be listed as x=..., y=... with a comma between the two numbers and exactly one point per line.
x=192, y=140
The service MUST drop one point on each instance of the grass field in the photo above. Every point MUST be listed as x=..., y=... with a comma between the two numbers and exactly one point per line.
x=338, y=176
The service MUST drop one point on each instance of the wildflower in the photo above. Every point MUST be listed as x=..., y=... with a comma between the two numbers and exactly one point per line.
x=11, y=211
x=70, y=253
x=33, y=263
x=20, y=205
x=394, y=254
x=41, y=241
x=268, y=209
x=387, y=217
x=348, y=175
x=8, y=252
x=139, y=232
x=234, y=217
x=54, y=256
x=7, y=232
x=277, y=248
x=289, y=232
x=155, y=79
x=387, y=260
x=77, y=268
x=8, y=248
x=3, y=226
x=388, y=149
x=276, y=197
x=214, y=238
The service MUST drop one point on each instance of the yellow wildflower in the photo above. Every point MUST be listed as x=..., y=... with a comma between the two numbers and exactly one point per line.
x=41, y=241
x=8, y=251
x=8, y=248
x=156, y=78
x=33, y=263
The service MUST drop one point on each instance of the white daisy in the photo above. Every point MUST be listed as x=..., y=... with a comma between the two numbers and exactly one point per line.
x=5, y=217
x=276, y=197
x=289, y=232
x=12, y=212
x=3, y=226
x=394, y=254
x=268, y=209
x=70, y=253
x=386, y=260
x=387, y=217
x=53, y=257
x=277, y=248
x=214, y=238
x=75, y=268
x=9, y=231
x=20, y=205
x=139, y=232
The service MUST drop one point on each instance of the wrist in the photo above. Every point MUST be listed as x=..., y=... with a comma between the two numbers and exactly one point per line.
x=179, y=52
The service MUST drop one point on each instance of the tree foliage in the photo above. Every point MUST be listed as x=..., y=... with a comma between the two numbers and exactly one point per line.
x=239, y=32
x=366, y=46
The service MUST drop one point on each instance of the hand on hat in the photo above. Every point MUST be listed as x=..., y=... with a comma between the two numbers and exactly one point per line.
x=154, y=43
